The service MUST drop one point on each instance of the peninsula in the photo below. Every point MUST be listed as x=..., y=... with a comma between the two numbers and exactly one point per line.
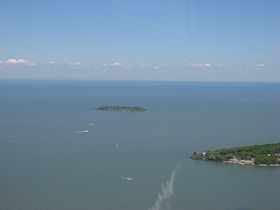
x=258, y=155
x=121, y=108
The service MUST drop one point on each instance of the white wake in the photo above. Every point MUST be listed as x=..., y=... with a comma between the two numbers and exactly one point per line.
x=167, y=190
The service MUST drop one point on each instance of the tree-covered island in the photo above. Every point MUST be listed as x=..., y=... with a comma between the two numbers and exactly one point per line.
x=259, y=155
x=121, y=108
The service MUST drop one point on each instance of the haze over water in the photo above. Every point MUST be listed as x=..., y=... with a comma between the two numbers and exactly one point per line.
x=46, y=163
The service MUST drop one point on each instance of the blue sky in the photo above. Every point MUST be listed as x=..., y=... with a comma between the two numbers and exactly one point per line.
x=194, y=40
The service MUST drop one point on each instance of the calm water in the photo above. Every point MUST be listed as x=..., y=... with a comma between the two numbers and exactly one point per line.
x=44, y=164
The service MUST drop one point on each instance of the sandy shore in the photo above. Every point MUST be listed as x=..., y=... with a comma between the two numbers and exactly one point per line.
x=248, y=162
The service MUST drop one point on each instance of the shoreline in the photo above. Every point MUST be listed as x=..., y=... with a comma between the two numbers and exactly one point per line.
x=114, y=108
x=240, y=163
x=243, y=163
x=266, y=155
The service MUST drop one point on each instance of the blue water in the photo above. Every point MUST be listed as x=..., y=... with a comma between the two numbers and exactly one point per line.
x=44, y=164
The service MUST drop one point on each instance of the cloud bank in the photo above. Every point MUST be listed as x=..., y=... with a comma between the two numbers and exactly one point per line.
x=200, y=65
x=116, y=64
x=167, y=190
x=260, y=65
x=77, y=63
x=17, y=61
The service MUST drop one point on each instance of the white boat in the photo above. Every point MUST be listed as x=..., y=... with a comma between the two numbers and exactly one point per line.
x=127, y=178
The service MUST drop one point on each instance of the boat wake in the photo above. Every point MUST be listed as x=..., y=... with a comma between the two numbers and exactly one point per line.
x=83, y=131
x=167, y=190
x=26, y=135
x=104, y=171
x=90, y=124
x=127, y=178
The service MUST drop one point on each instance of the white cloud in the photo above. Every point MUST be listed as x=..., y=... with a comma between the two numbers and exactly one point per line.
x=116, y=64
x=75, y=63
x=1, y=62
x=128, y=66
x=51, y=62
x=156, y=67
x=200, y=65
x=14, y=61
x=260, y=65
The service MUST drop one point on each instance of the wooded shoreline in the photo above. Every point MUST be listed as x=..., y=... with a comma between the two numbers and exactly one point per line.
x=257, y=155
x=121, y=108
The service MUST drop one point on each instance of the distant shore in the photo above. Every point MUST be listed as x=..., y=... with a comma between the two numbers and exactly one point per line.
x=267, y=155
x=121, y=108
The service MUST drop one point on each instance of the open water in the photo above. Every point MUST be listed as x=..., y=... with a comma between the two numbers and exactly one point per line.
x=126, y=160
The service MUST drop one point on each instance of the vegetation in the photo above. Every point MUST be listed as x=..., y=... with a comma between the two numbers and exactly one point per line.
x=121, y=108
x=267, y=154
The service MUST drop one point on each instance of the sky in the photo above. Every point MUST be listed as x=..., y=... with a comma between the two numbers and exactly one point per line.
x=190, y=40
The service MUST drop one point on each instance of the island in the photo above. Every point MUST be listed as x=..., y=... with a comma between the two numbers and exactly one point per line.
x=257, y=155
x=121, y=108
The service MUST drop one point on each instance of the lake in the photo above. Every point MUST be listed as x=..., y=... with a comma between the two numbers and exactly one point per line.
x=126, y=159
